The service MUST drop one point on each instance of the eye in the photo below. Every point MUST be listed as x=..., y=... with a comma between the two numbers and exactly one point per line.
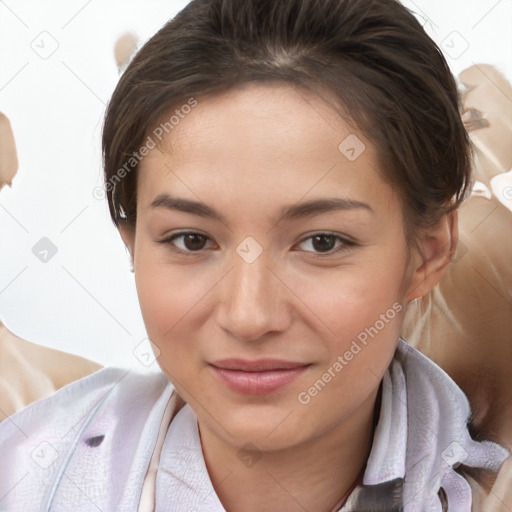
x=322, y=243
x=189, y=242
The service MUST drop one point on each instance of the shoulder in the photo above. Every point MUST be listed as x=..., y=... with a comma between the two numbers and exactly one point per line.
x=110, y=415
x=422, y=442
x=30, y=372
x=114, y=384
x=439, y=443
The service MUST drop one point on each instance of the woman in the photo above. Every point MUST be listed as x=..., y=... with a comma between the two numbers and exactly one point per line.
x=286, y=176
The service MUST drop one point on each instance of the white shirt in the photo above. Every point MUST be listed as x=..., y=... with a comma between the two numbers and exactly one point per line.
x=96, y=443
x=182, y=478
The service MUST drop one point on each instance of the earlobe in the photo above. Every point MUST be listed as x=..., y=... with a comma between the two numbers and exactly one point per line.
x=438, y=244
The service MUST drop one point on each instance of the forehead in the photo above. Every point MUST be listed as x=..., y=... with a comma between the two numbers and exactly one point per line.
x=278, y=139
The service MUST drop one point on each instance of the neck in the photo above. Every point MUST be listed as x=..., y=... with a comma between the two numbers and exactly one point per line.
x=315, y=475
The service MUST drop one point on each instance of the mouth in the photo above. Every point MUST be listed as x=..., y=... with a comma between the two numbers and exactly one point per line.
x=257, y=377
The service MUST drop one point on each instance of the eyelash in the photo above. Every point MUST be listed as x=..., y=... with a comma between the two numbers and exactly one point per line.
x=345, y=245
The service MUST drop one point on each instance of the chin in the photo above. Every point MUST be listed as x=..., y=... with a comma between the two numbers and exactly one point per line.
x=267, y=427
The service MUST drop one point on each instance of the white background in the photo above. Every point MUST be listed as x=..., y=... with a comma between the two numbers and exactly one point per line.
x=83, y=300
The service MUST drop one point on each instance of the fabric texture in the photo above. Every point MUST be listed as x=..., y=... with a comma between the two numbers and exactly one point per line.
x=89, y=446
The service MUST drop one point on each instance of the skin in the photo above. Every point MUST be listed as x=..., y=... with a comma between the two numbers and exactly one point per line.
x=248, y=153
x=8, y=153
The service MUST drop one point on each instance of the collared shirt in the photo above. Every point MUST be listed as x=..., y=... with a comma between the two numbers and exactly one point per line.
x=121, y=440
x=429, y=447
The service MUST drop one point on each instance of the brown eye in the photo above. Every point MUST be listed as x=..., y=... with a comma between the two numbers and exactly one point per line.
x=186, y=242
x=324, y=243
x=194, y=241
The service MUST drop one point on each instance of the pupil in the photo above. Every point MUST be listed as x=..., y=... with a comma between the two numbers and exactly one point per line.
x=194, y=242
x=326, y=242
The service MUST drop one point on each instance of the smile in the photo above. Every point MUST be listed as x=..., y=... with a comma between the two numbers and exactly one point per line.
x=257, y=377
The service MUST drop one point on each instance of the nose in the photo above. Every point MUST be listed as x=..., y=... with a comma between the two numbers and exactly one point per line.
x=253, y=301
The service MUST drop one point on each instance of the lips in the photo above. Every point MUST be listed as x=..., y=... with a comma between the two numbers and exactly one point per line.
x=257, y=377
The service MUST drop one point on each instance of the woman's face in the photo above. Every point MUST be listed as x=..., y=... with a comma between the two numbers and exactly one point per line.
x=270, y=262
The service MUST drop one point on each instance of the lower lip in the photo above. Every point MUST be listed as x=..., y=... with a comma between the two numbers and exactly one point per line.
x=258, y=383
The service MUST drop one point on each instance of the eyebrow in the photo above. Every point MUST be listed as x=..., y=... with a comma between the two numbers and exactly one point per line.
x=295, y=211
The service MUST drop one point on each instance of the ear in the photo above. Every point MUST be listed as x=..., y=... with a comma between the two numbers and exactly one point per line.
x=127, y=232
x=438, y=245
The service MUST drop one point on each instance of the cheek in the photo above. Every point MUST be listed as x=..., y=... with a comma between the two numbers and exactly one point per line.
x=363, y=311
x=167, y=294
x=169, y=298
x=348, y=300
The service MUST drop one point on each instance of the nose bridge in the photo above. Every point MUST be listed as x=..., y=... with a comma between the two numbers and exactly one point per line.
x=251, y=280
x=251, y=301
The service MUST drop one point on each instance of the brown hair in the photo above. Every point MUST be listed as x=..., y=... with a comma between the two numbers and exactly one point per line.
x=387, y=76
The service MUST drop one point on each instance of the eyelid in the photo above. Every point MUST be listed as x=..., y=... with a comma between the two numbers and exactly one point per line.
x=346, y=242
x=168, y=241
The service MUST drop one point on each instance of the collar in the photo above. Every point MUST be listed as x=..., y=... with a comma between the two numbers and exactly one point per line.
x=422, y=442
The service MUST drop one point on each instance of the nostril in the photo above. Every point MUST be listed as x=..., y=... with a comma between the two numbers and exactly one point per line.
x=95, y=441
